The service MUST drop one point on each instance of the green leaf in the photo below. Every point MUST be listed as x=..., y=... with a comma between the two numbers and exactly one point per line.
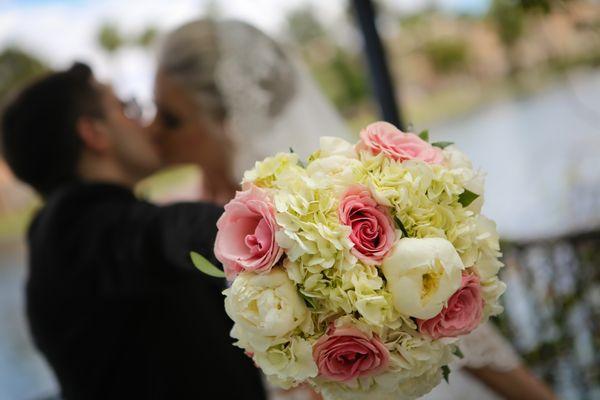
x=458, y=353
x=446, y=373
x=424, y=135
x=467, y=197
x=206, y=266
x=401, y=226
x=310, y=302
x=442, y=145
x=300, y=162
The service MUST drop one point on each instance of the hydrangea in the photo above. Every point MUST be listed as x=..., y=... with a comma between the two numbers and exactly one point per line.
x=310, y=228
x=288, y=364
x=265, y=173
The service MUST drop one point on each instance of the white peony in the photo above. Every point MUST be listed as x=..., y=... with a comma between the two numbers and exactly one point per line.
x=422, y=274
x=265, y=308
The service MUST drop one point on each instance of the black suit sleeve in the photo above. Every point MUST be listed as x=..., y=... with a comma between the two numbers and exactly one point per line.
x=149, y=246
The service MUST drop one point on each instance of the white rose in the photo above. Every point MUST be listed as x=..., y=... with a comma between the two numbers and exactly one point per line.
x=330, y=145
x=422, y=274
x=264, y=307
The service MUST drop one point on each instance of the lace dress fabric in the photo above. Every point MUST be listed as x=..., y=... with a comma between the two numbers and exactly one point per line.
x=484, y=347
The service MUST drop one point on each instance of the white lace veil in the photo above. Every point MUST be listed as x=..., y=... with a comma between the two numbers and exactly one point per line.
x=270, y=101
x=266, y=119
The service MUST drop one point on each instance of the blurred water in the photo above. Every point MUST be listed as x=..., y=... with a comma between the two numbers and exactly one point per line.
x=23, y=374
x=542, y=158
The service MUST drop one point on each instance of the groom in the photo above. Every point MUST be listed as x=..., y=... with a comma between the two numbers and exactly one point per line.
x=113, y=301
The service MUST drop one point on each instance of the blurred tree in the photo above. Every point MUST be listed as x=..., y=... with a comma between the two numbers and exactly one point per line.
x=109, y=38
x=507, y=17
x=213, y=9
x=147, y=38
x=343, y=81
x=536, y=5
x=304, y=26
x=414, y=20
x=17, y=67
x=447, y=54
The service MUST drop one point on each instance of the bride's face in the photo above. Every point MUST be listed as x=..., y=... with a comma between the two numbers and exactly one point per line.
x=184, y=134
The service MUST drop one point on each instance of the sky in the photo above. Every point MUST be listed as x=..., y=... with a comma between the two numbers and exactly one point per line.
x=61, y=31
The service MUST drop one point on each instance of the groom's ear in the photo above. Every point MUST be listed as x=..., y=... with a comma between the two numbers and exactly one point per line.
x=93, y=134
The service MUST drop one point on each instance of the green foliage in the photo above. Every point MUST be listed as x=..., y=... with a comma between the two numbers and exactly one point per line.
x=206, y=266
x=507, y=16
x=442, y=145
x=467, y=197
x=424, y=135
x=110, y=38
x=304, y=26
x=213, y=9
x=458, y=353
x=17, y=68
x=446, y=373
x=400, y=226
x=447, y=54
x=536, y=5
x=414, y=20
x=343, y=80
x=147, y=37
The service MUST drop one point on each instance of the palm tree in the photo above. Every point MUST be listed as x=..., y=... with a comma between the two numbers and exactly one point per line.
x=110, y=38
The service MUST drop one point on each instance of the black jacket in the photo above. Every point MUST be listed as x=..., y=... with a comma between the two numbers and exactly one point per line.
x=116, y=306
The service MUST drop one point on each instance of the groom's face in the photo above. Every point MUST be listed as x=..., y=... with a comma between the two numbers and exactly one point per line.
x=129, y=143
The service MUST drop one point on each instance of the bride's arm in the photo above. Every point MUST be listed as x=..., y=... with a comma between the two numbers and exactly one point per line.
x=492, y=360
x=515, y=384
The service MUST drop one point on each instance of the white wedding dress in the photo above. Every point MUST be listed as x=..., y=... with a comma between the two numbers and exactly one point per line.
x=266, y=119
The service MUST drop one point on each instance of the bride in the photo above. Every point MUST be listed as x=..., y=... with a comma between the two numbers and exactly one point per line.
x=228, y=95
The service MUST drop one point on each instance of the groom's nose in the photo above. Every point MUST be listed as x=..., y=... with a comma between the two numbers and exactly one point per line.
x=152, y=131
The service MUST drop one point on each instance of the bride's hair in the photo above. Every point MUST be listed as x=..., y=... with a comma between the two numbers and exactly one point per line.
x=238, y=75
x=193, y=54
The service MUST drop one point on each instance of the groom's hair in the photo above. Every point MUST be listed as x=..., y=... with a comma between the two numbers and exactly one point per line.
x=39, y=127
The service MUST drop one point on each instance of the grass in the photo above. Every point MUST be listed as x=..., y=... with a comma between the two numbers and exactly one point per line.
x=13, y=225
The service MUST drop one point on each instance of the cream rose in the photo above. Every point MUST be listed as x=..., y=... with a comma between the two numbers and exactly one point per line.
x=265, y=307
x=422, y=274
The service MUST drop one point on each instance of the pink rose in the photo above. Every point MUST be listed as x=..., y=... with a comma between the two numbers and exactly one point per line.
x=246, y=237
x=461, y=315
x=345, y=353
x=382, y=137
x=372, y=227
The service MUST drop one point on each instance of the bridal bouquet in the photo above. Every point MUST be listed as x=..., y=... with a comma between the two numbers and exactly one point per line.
x=357, y=271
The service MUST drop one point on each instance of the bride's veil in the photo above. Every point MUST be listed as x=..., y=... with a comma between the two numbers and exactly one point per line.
x=270, y=100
